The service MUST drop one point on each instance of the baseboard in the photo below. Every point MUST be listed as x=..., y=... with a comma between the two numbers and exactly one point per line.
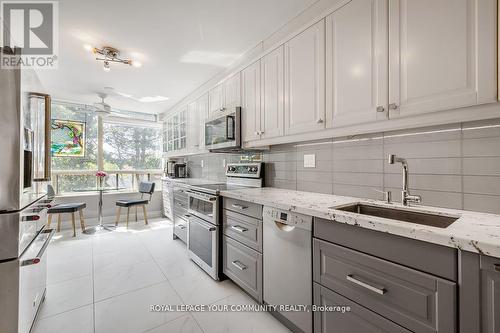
x=92, y=221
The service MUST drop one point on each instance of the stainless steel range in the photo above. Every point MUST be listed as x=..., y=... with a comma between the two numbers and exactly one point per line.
x=204, y=230
x=24, y=171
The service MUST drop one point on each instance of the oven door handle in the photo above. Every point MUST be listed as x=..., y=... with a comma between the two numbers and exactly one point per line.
x=204, y=197
x=204, y=225
x=38, y=257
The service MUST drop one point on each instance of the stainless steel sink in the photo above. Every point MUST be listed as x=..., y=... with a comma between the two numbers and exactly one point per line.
x=432, y=220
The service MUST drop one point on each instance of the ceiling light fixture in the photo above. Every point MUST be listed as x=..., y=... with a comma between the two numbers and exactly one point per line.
x=108, y=54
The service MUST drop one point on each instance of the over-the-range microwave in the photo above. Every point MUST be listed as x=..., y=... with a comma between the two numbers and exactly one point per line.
x=223, y=131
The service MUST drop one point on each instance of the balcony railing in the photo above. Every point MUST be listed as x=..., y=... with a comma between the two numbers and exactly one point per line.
x=71, y=181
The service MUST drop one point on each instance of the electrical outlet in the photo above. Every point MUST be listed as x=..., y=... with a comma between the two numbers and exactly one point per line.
x=202, y=163
x=309, y=161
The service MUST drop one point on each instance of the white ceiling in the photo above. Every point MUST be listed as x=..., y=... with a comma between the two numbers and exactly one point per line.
x=181, y=44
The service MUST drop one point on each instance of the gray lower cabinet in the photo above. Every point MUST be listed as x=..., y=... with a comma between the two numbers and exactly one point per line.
x=180, y=213
x=167, y=196
x=345, y=316
x=410, y=283
x=242, y=245
x=412, y=299
x=245, y=229
x=490, y=285
x=243, y=265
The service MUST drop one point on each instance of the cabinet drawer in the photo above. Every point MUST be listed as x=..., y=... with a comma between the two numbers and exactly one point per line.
x=244, y=266
x=243, y=207
x=409, y=252
x=244, y=229
x=356, y=320
x=417, y=301
x=181, y=228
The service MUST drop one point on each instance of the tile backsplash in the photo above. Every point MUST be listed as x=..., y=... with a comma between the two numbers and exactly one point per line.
x=454, y=166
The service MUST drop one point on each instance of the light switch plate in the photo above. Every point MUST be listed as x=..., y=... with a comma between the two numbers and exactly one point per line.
x=202, y=163
x=224, y=162
x=309, y=161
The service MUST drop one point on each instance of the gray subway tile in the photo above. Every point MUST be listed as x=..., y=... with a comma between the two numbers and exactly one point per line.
x=482, y=203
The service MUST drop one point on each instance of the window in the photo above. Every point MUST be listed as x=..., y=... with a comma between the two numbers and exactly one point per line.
x=130, y=147
x=131, y=152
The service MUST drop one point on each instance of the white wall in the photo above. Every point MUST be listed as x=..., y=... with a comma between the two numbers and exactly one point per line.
x=109, y=207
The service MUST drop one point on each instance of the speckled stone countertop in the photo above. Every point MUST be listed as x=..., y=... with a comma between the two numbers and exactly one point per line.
x=474, y=232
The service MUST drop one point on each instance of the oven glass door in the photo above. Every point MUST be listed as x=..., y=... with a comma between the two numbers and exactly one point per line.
x=203, y=245
x=203, y=208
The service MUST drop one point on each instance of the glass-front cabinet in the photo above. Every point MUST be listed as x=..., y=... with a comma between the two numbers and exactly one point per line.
x=174, y=131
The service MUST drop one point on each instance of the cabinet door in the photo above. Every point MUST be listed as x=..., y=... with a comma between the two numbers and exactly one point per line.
x=272, y=103
x=193, y=134
x=357, y=320
x=490, y=275
x=305, y=81
x=356, y=63
x=215, y=99
x=442, y=54
x=203, y=107
x=250, y=106
x=232, y=92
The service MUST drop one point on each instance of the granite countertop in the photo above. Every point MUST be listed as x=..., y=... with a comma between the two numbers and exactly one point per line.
x=474, y=232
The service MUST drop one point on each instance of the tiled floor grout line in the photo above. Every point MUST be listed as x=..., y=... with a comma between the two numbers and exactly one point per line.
x=93, y=283
x=171, y=286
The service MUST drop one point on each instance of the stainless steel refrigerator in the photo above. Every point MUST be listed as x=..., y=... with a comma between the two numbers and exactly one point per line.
x=24, y=173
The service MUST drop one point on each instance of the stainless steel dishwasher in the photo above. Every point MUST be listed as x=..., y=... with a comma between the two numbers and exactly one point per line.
x=287, y=264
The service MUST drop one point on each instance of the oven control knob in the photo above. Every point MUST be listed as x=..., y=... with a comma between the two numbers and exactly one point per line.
x=231, y=169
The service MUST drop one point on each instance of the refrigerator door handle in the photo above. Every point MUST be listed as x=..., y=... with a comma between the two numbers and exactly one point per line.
x=37, y=258
x=47, y=138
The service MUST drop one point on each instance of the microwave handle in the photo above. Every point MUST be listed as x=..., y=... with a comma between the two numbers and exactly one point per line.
x=230, y=136
x=47, y=164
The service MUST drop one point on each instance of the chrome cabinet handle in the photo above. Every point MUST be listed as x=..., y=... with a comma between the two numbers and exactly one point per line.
x=352, y=279
x=261, y=132
x=393, y=106
x=238, y=206
x=239, y=228
x=380, y=109
x=239, y=265
x=319, y=121
x=256, y=133
x=40, y=253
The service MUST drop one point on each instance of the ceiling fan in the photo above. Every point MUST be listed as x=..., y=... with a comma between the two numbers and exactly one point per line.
x=102, y=108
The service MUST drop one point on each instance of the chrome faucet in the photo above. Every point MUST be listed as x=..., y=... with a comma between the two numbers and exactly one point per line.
x=406, y=197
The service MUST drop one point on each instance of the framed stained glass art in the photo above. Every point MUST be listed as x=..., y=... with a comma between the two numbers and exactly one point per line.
x=68, y=138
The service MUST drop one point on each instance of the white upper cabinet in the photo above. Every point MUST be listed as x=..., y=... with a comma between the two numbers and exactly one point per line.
x=305, y=81
x=202, y=104
x=272, y=97
x=216, y=98
x=250, y=102
x=225, y=95
x=232, y=91
x=356, y=63
x=442, y=54
x=193, y=135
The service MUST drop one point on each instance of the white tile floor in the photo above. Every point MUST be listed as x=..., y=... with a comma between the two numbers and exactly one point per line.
x=106, y=283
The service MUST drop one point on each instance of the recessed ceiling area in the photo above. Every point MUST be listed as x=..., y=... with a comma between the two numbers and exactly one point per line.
x=180, y=45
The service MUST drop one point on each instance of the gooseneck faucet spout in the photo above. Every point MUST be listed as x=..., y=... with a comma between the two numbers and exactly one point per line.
x=406, y=197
